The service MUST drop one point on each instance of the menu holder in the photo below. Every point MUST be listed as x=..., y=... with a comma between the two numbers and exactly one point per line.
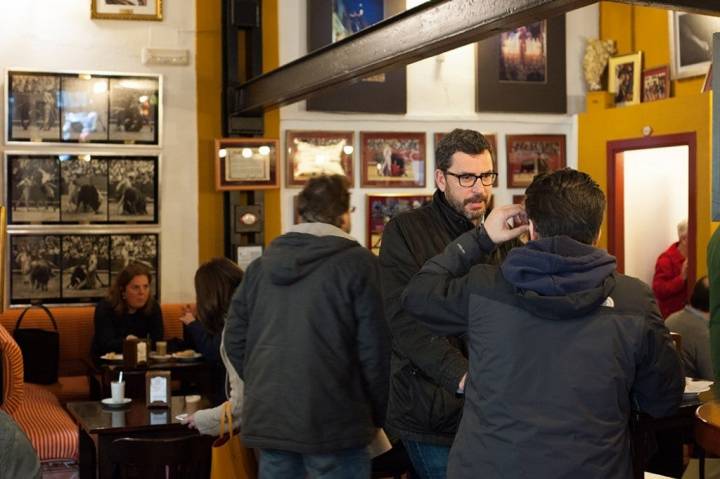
x=157, y=389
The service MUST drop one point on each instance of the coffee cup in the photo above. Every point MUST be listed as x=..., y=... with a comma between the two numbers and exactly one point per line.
x=161, y=348
x=117, y=390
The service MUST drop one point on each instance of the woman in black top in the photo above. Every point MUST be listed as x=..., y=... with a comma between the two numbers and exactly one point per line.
x=215, y=282
x=129, y=311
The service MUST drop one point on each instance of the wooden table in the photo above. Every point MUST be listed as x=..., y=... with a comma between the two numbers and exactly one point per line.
x=100, y=426
x=196, y=372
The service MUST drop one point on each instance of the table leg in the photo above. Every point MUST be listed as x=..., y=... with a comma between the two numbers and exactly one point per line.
x=88, y=462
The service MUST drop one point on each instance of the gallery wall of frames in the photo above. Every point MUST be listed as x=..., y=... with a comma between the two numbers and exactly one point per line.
x=81, y=212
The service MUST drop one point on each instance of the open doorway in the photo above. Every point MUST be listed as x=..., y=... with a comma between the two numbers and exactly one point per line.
x=651, y=188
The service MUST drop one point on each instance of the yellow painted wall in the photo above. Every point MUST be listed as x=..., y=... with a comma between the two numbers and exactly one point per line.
x=642, y=28
x=209, y=86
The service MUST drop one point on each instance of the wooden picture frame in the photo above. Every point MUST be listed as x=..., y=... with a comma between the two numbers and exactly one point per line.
x=656, y=84
x=624, y=74
x=312, y=153
x=691, y=42
x=529, y=155
x=498, y=89
x=81, y=188
x=381, y=93
x=491, y=138
x=382, y=208
x=82, y=107
x=126, y=10
x=393, y=159
x=246, y=164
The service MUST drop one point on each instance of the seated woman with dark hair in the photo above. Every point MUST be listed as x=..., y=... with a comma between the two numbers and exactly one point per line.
x=128, y=311
x=215, y=283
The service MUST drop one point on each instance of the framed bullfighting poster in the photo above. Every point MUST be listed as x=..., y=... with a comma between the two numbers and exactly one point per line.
x=81, y=189
x=82, y=107
x=382, y=208
x=392, y=159
x=530, y=155
x=311, y=153
x=60, y=268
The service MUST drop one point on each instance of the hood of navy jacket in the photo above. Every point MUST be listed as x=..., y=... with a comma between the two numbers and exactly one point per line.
x=301, y=250
x=558, y=277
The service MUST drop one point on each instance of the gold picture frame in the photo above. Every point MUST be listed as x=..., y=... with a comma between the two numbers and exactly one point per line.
x=127, y=10
x=624, y=79
x=246, y=164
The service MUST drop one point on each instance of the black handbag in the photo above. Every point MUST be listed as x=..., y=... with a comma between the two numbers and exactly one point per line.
x=40, y=349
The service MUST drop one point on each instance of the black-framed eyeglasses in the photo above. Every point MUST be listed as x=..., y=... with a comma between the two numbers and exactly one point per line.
x=468, y=180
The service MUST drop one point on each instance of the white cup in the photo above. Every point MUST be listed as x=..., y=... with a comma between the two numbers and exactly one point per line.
x=117, y=390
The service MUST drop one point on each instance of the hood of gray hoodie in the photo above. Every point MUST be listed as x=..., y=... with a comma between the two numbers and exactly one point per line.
x=301, y=250
x=560, y=278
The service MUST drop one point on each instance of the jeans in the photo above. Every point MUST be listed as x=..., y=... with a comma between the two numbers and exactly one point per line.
x=344, y=464
x=429, y=460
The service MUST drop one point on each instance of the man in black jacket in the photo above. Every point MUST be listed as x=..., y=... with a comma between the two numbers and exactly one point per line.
x=562, y=346
x=307, y=334
x=428, y=371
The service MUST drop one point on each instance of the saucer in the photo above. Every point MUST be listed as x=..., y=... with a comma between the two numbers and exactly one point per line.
x=112, y=404
x=160, y=357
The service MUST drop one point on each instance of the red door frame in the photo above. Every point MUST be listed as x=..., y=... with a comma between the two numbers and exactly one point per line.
x=616, y=192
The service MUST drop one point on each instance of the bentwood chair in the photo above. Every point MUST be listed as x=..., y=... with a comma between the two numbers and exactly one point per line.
x=168, y=458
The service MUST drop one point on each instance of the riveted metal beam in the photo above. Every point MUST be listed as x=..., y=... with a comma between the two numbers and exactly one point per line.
x=424, y=31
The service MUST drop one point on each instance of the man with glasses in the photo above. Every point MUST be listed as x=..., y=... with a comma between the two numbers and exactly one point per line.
x=428, y=371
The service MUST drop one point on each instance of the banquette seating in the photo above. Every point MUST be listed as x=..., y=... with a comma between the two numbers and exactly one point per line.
x=38, y=409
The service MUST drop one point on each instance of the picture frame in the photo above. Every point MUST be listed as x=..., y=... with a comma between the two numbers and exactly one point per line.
x=82, y=107
x=656, y=84
x=393, y=159
x=381, y=208
x=311, y=153
x=126, y=9
x=491, y=138
x=691, y=40
x=247, y=254
x=500, y=86
x=624, y=74
x=52, y=267
x=529, y=155
x=518, y=199
x=381, y=93
x=81, y=188
x=246, y=164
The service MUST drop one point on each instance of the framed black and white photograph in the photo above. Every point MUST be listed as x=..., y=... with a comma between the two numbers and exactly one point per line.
x=126, y=9
x=82, y=107
x=84, y=102
x=84, y=189
x=134, y=110
x=85, y=266
x=133, y=190
x=33, y=189
x=34, y=268
x=691, y=41
x=32, y=107
x=135, y=248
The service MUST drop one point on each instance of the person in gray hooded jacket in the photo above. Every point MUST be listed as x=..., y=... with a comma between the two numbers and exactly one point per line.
x=306, y=332
x=561, y=346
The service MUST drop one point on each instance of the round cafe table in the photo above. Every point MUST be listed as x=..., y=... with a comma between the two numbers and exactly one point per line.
x=707, y=427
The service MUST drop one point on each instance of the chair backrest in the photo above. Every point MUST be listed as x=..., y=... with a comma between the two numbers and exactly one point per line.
x=166, y=458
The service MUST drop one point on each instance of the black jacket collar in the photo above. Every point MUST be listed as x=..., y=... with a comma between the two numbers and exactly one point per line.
x=456, y=223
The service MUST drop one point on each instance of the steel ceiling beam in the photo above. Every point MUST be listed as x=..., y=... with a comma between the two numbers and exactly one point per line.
x=422, y=32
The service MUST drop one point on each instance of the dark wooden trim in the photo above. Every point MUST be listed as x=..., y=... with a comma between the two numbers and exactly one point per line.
x=616, y=198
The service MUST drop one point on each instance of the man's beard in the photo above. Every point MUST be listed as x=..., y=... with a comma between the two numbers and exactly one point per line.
x=475, y=216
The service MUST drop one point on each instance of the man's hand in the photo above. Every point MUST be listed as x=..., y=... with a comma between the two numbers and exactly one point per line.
x=505, y=223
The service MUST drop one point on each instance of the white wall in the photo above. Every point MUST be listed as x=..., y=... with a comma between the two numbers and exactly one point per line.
x=441, y=96
x=656, y=200
x=52, y=35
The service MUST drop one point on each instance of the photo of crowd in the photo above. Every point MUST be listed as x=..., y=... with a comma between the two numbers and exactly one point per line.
x=33, y=107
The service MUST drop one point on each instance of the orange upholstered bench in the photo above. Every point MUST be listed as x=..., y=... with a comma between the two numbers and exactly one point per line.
x=36, y=408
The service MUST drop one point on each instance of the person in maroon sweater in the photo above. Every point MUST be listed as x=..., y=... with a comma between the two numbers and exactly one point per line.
x=670, y=279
